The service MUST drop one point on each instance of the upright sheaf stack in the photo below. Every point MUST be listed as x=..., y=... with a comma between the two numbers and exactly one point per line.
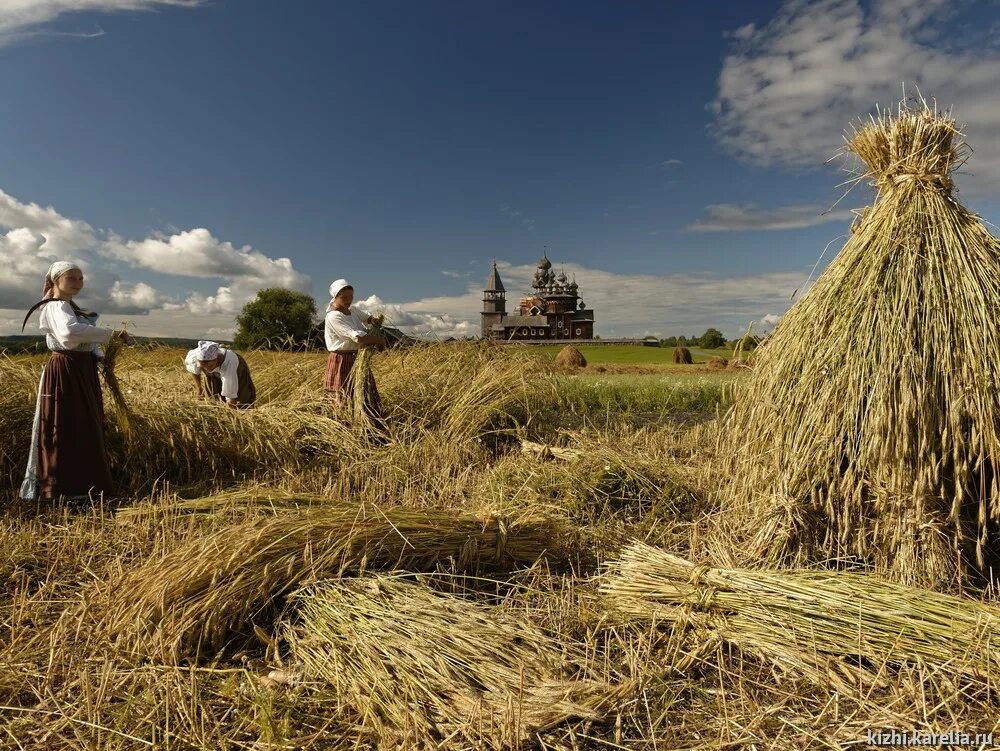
x=869, y=428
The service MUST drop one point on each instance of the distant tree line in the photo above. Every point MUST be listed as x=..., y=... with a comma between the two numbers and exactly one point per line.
x=711, y=339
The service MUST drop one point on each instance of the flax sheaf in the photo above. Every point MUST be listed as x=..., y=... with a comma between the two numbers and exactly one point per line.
x=867, y=430
x=843, y=629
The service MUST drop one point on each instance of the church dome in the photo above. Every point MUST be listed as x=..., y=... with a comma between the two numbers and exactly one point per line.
x=544, y=263
x=562, y=279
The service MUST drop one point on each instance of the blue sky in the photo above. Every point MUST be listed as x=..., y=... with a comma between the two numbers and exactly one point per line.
x=669, y=154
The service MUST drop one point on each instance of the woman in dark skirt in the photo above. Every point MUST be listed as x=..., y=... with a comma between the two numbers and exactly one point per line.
x=68, y=458
x=345, y=334
x=236, y=387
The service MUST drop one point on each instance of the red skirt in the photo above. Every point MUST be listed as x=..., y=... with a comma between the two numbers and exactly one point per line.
x=338, y=370
x=72, y=457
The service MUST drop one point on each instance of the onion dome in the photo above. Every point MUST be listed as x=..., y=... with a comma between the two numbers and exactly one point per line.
x=544, y=263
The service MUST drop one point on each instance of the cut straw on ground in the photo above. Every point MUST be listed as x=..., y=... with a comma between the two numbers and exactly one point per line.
x=424, y=668
x=837, y=628
x=211, y=592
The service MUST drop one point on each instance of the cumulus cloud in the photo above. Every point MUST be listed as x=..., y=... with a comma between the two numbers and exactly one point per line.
x=423, y=325
x=728, y=217
x=770, y=320
x=36, y=236
x=20, y=18
x=788, y=89
x=33, y=236
x=624, y=304
x=197, y=253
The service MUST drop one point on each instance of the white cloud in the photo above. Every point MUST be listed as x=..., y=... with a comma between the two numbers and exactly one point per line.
x=788, y=89
x=196, y=253
x=624, y=304
x=671, y=163
x=770, y=320
x=423, y=325
x=728, y=217
x=35, y=236
x=59, y=236
x=20, y=18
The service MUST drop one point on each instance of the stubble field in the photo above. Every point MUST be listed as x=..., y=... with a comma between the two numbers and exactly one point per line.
x=272, y=579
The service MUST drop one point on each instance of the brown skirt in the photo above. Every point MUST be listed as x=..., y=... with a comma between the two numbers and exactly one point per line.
x=338, y=380
x=247, y=394
x=72, y=460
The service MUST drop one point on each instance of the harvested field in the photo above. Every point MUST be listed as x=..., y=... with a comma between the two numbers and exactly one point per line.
x=271, y=578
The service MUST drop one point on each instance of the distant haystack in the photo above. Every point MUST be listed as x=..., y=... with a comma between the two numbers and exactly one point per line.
x=570, y=357
x=682, y=356
x=868, y=429
x=717, y=363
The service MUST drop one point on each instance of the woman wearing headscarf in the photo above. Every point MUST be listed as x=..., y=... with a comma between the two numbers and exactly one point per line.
x=210, y=385
x=68, y=457
x=345, y=332
x=237, y=388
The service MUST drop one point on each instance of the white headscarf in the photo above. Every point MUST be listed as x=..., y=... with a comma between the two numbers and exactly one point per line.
x=59, y=268
x=191, y=362
x=207, y=351
x=337, y=286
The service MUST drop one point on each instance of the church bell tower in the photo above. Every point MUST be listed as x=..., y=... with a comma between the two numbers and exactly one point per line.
x=494, y=303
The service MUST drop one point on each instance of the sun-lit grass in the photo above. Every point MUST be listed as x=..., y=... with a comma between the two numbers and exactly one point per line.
x=627, y=392
x=623, y=354
x=272, y=579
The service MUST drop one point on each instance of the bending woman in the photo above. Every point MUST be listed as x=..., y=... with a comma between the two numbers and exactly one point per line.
x=236, y=385
x=68, y=457
x=212, y=382
x=345, y=333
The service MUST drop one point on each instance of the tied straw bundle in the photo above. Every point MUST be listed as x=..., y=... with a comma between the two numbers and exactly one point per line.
x=429, y=670
x=869, y=426
x=366, y=405
x=109, y=365
x=830, y=627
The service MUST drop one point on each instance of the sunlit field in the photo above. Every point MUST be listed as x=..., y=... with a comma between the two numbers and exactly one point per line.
x=498, y=575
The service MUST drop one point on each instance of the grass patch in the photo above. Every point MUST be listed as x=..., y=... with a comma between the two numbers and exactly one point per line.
x=609, y=392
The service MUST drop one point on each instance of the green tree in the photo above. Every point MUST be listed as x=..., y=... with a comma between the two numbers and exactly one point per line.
x=712, y=339
x=276, y=319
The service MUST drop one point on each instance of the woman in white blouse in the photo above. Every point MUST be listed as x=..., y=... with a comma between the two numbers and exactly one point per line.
x=68, y=458
x=212, y=386
x=345, y=332
x=236, y=384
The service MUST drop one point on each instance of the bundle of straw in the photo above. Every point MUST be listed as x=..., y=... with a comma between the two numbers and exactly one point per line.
x=428, y=670
x=210, y=591
x=869, y=427
x=109, y=364
x=366, y=407
x=827, y=626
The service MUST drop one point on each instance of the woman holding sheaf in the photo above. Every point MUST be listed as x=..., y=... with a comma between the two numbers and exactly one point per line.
x=67, y=457
x=345, y=332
